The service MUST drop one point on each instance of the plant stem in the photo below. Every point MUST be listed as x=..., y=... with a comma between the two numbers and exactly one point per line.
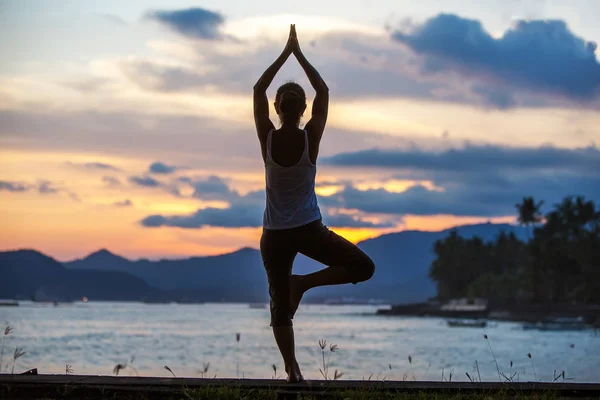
x=534, y=374
x=2, y=353
x=495, y=361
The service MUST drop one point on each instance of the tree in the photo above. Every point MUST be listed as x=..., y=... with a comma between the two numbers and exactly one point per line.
x=560, y=263
x=587, y=216
x=529, y=212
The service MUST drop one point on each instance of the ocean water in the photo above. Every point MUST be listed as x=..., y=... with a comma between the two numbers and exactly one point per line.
x=93, y=337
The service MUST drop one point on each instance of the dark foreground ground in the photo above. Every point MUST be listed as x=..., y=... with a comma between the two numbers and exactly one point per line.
x=87, y=387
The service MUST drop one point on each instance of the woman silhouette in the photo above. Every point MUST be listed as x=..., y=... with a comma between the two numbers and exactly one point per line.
x=292, y=219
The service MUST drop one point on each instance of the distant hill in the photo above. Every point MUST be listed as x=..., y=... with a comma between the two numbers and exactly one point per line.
x=402, y=260
x=28, y=274
x=237, y=276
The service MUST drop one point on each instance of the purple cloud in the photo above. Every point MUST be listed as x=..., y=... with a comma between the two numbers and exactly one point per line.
x=541, y=55
x=192, y=22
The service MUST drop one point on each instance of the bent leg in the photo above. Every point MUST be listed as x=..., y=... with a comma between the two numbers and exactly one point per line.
x=345, y=262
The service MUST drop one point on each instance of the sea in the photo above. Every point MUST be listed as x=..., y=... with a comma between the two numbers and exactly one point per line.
x=235, y=341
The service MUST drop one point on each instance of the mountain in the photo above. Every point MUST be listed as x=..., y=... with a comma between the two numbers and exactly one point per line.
x=402, y=265
x=27, y=274
x=101, y=259
x=237, y=276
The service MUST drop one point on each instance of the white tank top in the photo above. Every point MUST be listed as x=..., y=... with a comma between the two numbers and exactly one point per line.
x=291, y=198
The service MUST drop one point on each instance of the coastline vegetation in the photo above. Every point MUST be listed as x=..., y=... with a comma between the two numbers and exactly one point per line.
x=559, y=263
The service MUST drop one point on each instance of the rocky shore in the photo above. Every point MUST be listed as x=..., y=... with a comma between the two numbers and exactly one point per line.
x=531, y=313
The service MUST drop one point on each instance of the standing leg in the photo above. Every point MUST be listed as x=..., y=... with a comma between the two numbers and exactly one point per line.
x=278, y=257
x=345, y=262
x=284, y=336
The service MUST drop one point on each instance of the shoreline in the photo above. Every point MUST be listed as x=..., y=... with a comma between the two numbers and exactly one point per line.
x=529, y=313
x=526, y=313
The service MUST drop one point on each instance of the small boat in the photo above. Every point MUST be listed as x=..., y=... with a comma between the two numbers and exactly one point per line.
x=558, y=324
x=9, y=303
x=528, y=326
x=467, y=323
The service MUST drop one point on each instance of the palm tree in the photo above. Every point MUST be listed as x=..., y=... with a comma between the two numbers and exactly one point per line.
x=529, y=212
x=586, y=212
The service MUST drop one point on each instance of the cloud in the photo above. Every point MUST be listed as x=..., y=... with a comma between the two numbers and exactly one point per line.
x=150, y=182
x=236, y=216
x=146, y=181
x=243, y=211
x=161, y=168
x=212, y=188
x=94, y=166
x=12, y=186
x=245, y=216
x=46, y=187
x=541, y=55
x=351, y=221
x=466, y=198
x=473, y=157
x=192, y=22
x=368, y=65
x=111, y=181
x=353, y=64
x=123, y=203
x=473, y=181
x=43, y=187
x=494, y=96
x=159, y=77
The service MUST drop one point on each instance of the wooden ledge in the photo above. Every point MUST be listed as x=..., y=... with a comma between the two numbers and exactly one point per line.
x=19, y=387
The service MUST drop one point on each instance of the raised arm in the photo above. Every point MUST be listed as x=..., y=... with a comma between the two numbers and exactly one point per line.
x=320, y=107
x=261, y=102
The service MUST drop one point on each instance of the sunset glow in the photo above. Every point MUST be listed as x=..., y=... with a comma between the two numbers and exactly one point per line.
x=141, y=118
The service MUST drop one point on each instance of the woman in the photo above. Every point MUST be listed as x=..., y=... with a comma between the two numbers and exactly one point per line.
x=292, y=219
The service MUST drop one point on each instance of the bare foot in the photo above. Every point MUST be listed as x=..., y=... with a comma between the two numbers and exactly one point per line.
x=296, y=292
x=295, y=376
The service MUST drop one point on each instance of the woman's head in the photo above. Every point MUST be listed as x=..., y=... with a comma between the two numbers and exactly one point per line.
x=290, y=102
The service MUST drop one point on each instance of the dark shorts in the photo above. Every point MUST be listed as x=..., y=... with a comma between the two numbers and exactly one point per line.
x=279, y=248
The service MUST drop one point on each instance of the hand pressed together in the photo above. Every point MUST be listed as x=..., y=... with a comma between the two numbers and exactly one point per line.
x=292, y=46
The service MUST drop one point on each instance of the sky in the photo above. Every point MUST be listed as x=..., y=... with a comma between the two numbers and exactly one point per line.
x=128, y=125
